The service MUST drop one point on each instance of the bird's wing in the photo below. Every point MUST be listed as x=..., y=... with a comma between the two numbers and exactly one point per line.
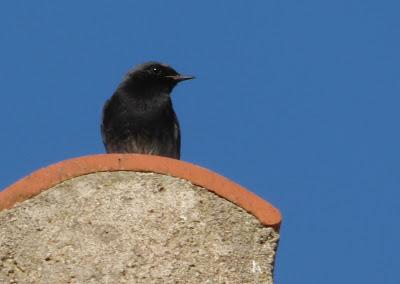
x=177, y=136
x=103, y=130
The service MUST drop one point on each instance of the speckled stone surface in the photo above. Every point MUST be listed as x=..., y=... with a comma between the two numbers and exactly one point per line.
x=128, y=227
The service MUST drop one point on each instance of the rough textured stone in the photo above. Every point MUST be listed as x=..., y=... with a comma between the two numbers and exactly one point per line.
x=128, y=227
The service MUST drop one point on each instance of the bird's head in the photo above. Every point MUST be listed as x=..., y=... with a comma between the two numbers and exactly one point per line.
x=153, y=76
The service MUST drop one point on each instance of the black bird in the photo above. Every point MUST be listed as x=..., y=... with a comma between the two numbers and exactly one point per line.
x=139, y=117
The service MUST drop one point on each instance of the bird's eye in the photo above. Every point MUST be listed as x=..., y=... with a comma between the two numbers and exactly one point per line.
x=156, y=70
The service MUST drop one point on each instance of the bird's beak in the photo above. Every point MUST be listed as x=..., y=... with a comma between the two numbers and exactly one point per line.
x=180, y=78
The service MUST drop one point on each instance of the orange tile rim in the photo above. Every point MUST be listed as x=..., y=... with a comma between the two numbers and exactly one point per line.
x=52, y=175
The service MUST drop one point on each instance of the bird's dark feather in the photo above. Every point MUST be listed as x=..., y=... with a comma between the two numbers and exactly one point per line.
x=139, y=117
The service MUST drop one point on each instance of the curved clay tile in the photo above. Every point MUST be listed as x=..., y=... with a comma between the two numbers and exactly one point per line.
x=46, y=178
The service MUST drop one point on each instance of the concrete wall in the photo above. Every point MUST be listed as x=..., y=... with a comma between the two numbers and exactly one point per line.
x=129, y=227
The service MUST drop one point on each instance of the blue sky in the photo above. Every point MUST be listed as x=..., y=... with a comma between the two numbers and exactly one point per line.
x=296, y=100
